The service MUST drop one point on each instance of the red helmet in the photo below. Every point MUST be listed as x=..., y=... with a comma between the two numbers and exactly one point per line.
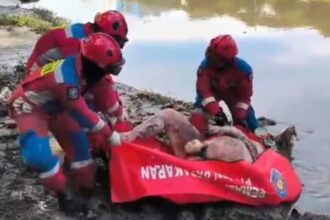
x=102, y=49
x=113, y=23
x=223, y=46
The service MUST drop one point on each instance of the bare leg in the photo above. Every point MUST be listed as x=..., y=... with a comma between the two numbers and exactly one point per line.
x=176, y=126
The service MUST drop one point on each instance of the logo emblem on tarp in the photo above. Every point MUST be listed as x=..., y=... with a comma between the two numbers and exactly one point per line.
x=279, y=183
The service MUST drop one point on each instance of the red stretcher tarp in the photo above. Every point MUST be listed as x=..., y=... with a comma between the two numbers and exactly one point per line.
x=143, y=169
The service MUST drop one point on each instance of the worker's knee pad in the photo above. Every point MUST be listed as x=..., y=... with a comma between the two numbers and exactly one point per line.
x=36, y=151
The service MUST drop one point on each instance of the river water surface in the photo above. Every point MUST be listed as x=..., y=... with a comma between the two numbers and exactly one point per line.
x=286, y=42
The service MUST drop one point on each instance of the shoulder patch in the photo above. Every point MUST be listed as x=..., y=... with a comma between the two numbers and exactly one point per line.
x=72, y=93
x=243, y=66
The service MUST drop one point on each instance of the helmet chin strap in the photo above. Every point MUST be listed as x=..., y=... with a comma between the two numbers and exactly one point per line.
x=91, y=71
x=95, y=28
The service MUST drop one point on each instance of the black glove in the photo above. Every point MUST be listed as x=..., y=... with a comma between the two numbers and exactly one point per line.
x=221, y=119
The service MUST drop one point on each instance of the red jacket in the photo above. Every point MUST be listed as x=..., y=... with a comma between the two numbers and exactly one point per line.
x=110, y=104
x=57, y=44
x=55, y=89
x=63, y=42
x=233, y=86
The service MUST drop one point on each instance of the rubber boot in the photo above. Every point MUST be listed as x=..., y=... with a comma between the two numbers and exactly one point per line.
x=71, y=202
x=67, y=200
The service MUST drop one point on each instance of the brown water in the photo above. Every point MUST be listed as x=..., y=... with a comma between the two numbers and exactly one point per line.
x=286, y=42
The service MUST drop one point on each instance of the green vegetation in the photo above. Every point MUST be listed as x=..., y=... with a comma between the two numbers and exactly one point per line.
x=40, y=20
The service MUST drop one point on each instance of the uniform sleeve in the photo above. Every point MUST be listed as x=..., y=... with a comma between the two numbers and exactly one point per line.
x=67, y=44
x=53, y=45
x=203, y=86
x=76, y=106
x=106, y=97
x=43, y=44
x=245, y=86
x=245, y=91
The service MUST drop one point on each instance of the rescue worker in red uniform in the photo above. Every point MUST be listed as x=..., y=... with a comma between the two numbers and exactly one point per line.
x=223, y=76
x=63, y=42
x=50, y=100
x=60, y=43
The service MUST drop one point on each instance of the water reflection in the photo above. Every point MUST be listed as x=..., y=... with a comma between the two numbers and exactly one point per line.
x=271, y=13
x=285, y=42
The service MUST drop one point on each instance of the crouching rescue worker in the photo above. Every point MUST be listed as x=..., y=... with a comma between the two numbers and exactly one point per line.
x=63, y=42
x=50, y=100
x=223, y=76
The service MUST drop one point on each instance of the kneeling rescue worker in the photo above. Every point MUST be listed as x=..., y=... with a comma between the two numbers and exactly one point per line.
x=223, y=76
x=50, y=100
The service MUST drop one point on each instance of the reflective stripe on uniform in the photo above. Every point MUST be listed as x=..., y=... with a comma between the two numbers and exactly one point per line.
x=80, y=164
x=51, y=172
x=100, y=124
x=39, y=97
x=58, y=73
x=208, y=100
x=242, y=105
x=68, y=32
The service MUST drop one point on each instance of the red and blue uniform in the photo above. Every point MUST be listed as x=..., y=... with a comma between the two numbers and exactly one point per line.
x=63, y=42
x=50, y=100
x=233, y=85
x=57, y=44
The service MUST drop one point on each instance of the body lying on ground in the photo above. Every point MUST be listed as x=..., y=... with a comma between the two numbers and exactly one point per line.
x=227, y=143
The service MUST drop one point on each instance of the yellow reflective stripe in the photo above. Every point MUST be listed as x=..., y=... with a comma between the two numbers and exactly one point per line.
x=50, y=67
x=61, y=26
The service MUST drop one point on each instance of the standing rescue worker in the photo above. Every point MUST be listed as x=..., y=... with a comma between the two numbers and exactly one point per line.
x=223, y=76
x=49, y=100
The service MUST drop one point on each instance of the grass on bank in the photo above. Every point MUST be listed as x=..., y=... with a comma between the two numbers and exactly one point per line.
x=40, y=20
